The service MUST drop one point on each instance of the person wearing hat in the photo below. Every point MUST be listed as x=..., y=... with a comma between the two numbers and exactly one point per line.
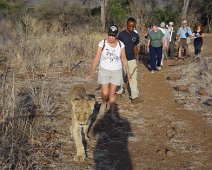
x=131, y=41
x=183, y=33
x=154, y=47
x=166, y=41
x=172, y=39
x=111, y=57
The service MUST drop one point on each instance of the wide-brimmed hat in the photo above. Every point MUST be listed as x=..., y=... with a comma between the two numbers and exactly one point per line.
x=113, y=30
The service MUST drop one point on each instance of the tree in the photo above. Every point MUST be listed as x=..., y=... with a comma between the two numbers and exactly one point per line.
x=168, y=13
x=117, y=13
x=207, y=13
x=185, y=8
x=103, y=4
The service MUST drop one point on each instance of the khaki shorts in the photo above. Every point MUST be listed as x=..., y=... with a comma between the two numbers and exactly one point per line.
x=110, y=76
x=183, y=42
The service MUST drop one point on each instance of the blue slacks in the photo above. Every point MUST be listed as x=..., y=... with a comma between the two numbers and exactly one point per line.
x=155, y=57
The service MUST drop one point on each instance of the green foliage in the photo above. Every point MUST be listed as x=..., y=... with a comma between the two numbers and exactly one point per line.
x=167, y=14
x=4, y=5
x=118, y=11
x=11, y=6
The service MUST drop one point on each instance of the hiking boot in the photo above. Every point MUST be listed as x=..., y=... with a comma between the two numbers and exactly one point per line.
x=137, y=100
x=120, y=91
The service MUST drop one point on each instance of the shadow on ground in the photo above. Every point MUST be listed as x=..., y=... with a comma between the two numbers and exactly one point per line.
x=144, y=59
x=111, y=151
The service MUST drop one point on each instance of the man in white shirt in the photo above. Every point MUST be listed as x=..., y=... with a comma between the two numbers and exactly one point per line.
x=172, y=39
x=166, y=41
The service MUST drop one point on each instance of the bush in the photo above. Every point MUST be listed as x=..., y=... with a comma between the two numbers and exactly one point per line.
x=167, y=14
x=117, y=12
x=3, y=5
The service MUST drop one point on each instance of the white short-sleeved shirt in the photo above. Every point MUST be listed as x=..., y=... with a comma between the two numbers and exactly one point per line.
x=111, y=57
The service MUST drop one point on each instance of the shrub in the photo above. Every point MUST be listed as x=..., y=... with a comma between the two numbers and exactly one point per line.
x=117, y=11
x=167, y=14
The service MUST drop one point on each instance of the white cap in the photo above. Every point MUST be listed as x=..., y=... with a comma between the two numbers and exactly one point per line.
x=171, y=23
x=162, y=24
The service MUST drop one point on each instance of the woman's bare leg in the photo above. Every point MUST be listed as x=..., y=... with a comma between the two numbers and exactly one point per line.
x=179, y=52
x=105, y=95
x=112, y=97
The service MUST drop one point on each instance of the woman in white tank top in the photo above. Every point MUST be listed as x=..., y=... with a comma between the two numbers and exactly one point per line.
x=110, y=56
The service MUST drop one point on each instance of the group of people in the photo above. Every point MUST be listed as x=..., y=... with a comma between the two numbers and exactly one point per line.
x=162, y=42
x=116, y=57
x=185, y=34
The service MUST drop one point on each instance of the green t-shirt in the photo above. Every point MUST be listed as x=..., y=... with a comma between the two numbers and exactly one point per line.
x=156, y=38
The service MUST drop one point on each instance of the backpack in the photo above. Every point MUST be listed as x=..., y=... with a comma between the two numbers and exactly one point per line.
x=104, y=44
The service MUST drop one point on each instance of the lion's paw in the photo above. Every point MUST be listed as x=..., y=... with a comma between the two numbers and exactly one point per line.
x=79, y=158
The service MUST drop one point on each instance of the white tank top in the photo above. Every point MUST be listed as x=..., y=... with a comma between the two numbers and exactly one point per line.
x=111, y=57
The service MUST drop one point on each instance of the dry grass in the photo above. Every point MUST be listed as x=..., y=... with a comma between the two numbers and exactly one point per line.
x=34, y=69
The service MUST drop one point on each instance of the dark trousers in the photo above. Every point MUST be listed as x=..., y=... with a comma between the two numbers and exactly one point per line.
x=155, y=56
x=197, y=45
x=171, y=49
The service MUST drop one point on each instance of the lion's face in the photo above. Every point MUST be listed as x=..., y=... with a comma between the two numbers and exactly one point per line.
x=82, y=108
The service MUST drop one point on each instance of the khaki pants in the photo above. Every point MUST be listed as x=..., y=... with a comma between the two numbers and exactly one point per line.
x=133, y=82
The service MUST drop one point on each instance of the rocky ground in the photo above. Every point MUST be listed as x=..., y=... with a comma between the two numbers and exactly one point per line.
x=171, y=129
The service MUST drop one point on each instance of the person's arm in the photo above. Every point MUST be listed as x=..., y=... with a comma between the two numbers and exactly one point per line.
x=95, y=62
x=148, y=44
x=125, y=63
x=178, y=33
x=136, y=49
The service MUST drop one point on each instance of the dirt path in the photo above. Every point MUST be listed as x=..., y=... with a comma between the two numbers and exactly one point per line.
x=170, y=137
x=156, y=134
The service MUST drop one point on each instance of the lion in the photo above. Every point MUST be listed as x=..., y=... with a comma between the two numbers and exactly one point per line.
x=81, y=107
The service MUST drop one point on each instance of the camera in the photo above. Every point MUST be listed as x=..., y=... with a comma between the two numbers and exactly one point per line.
x=186, y=34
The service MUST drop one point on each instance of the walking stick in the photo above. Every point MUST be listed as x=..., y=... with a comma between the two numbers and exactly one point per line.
x=127, y=80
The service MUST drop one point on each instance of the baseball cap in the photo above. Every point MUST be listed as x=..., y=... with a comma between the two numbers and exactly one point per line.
x=113, y=30
x=171, y=23
x=162, y=24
